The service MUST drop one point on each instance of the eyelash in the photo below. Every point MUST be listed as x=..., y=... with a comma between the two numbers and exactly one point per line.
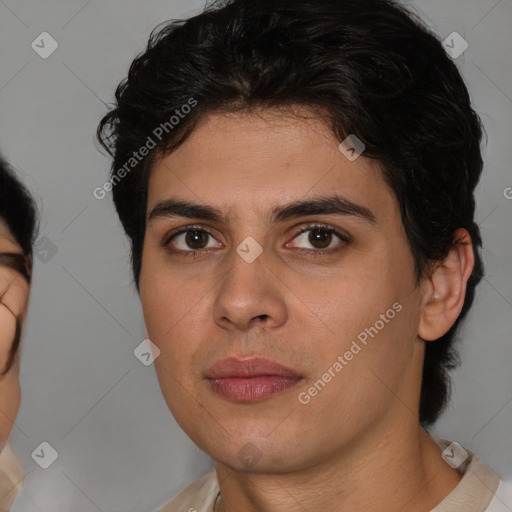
x=345, y=240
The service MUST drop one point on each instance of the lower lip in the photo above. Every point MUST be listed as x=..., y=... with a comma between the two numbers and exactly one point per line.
x=252, y=389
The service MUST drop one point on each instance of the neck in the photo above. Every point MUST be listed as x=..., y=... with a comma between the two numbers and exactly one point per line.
x=394, y=472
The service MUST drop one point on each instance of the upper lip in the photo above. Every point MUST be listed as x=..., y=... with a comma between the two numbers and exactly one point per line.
x=252, y=367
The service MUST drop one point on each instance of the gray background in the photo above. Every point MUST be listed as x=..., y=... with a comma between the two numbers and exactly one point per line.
x=83, y=391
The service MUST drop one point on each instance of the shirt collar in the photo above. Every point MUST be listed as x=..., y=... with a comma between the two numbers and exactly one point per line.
x=476, y=489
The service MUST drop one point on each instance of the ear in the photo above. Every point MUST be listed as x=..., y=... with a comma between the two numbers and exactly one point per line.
x=445, y=289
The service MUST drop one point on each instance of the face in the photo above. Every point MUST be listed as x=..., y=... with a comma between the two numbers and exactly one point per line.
x=326, y=290
x=14, y=291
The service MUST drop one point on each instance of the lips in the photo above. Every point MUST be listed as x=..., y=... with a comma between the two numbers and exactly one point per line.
x=250, y=380
x=255, y=367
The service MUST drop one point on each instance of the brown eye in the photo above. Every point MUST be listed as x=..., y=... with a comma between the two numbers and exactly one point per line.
x=190, y=240
x=320, y=238
x=196, y=239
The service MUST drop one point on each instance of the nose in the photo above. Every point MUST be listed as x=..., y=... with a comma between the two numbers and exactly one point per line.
x=250, y=294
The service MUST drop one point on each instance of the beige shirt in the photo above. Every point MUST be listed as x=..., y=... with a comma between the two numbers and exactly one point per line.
x=11, y=478
x=476, y=492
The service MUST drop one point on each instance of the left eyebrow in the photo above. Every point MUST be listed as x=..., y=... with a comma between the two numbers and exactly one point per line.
x=324, y=205
x=331, y=205
x=17, y=262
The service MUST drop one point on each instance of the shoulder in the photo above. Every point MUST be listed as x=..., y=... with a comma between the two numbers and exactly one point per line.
x=197, y=497
x=502, y=500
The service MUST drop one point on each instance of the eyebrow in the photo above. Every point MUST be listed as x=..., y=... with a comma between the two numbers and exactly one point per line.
x=16, y=262
x=329, y=205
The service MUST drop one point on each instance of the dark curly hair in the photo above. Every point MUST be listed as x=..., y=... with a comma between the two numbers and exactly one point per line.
x=19, y=212
x=367, y=67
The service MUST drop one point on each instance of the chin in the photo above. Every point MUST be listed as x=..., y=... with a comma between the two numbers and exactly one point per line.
x=252, y=454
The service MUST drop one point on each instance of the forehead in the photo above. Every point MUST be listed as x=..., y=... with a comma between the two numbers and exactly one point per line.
x=258, y=161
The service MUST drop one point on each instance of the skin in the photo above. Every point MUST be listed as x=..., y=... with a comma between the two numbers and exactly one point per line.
x=16, y=299
x=358, y=444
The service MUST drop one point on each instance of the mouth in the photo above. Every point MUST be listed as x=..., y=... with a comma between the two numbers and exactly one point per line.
x=250, y=380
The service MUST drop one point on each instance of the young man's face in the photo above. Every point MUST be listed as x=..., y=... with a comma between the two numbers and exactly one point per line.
x=302, y=302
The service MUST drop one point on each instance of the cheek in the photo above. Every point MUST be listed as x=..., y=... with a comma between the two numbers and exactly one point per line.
x=348, y=305
x=10, y=396
x=169, y=301
x=372, y=321
x=7, y=332
x=370, y=375
x=172, y=306
x=158, y=294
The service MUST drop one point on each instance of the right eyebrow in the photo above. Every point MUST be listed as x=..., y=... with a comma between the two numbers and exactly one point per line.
x=17, y=262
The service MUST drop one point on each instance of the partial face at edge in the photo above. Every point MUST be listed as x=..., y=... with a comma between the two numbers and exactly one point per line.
x=14, y=292
x=302, y=302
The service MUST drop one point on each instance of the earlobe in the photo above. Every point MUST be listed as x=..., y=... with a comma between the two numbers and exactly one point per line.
x=446, y=289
